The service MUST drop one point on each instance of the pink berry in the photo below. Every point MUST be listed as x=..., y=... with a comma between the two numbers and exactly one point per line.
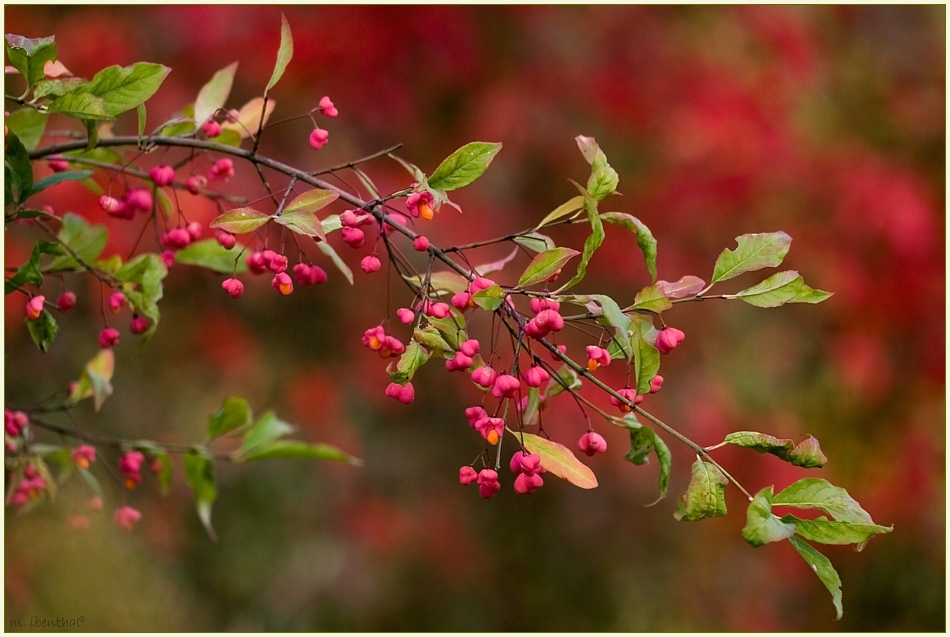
x=349, y=219
x=467, y=475
x=505, y=385
x=108, y=337
x=474, y=414
x=353, y=237
x=318, y=138
x=67, y=301
x=460, y=362
x=370, y=264
x=535, y=376
x=394, y=217
x=668, y=339
x=402, y=393
x=317, y=275
x=168, y=257
x=469, y=347
x=283, y=284
x=34, y=307
x=655, y=384
x=125, y=517
x=405, y=315
x=196, y=183
x=488, y=483
x=109, y=204
x=226, y=239
x=420, y=243
x=194, y=230
x=328, y=108
x=139, y=325
x=539, y=305
x=162, y=175
x=139, y=199
x=255, y=263
x=462, y=301
x=233, y=287
x=211, y=128
x=116, y=301
x=421, y=204
x=597, y=356
x=591, y=443
x=479, y=284
x=221, y=170
x=630, y=395
x=278, y=264
x=525, y=483
x=484, y=376
x=84, y=455
x=58, y=164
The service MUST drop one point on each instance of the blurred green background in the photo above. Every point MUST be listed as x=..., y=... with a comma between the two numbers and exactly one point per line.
x=825, y=122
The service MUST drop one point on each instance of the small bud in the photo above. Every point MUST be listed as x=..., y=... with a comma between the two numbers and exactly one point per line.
x=108, y=337
x=318, y=138
x=233, y=287
x=34, y=307
x=370, y=264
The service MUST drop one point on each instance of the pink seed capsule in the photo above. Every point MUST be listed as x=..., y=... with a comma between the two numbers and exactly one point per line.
x=109, y=204
x=405, y=315
x=58, y=164
x=469, y=347
x=467, y=475
x=462, y=301
x=420, y=243
x=525, y=483
x=591, y=443
x=67, y=301
x=34, y=307
x=353, y=237
x=283, y=284
x=139, y=325
x=221, y=170
x=655, y=384
x=108, y=337
x=194, y=230
x=668, y=339
x=168, y=258
x=196, y=183
x=211, y=128
x=484, y=376
x=233, y=287
x=278, y=264
x=327, y=107
x=226, y=239
x=162, y=175
x=317, y=275
x=116, y=301
x=535, y=376
x=505, y=385
x=479, y=284
x=125, y=517
x=139, y=199
x=370, y=264
x=318, y=138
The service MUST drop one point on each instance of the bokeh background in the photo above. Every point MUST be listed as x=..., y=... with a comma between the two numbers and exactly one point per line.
x=825, y=122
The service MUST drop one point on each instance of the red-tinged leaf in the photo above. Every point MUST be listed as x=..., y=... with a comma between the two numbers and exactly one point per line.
x=240, y=221
x=495, y=266
x=249, y=117
x=558, y=460
x=688, y=285
x=284, y=53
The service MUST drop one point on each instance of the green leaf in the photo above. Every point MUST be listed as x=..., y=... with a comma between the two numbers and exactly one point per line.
x=212, y=255
x=328, y=250
x=591, y=244
x=530, y=415
x=147, y=271
x=124, y=88
x=535, y=241
x=463, y=166
x=432, y=339
x=52, y=88
x=643, y=442
x=88, y=241
x=755, y=251
x=29, y=56
x=445, y=282
x=558, y=460
x=284, y=53
x=58, y=178
x=566, y=209
x=815, y=493
x=233, y=414
x=651, y=299
x=825, y=531
x=240, y=221
x=299, y=213
x=28, y=274
x=806, y=454
x=266, y=430
x=452, y=332
x=95, y=379
x=408, y=364
x=603, y=179
x=645, y=239
x=688, y=285
x=762, y=526
x=43, y=330
x=612, y=316
x=568, y=378
x=646, y=357
x=822, y=567
x=781, y=288
x=214, y=94
x=545, y=265
x=295, y=449
x=28, y=124
x=199, y=472
x=18, y=161
x=81, y=105
x=705, y=495
x=489, y=299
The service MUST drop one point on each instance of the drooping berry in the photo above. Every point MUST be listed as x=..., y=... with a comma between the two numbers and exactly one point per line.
x=505, y=385
x=474, y=414
x=108, y=337
x=317, y=275
x=116, y=301
x=226, y=239
x=327, y=107
x=469, y=347
x=405, y=315
x=394, y=217
x=353, y=237
x=255, y=263
x=34, y=307
x=668, y=339
x=460, y=362
x=318, y=138
x=176, y=239
x=221, y=170
x=467, y=475
x=630, y=395
x=211, y=128
x=597, y=356
x=462, y=301
x=591, y=443
x=194, y=230
x=526, y=484
x=421, y=204
x=130, y=465
x=162, y=175
x=539, y=305
x=488, y=484
x=139, y=325
x=484, y=376
x=196, y=183
x=168, y=258
x=109, y=204
x=125, y=517
x=535, y=376
x=139, y=199
x=655, y=384
x=491, y=429
x=283, y=284
x=370, y=264
x=233, y=287
x=402, y=393
x=479, y=284
x=84, y=455
x=277, y=263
